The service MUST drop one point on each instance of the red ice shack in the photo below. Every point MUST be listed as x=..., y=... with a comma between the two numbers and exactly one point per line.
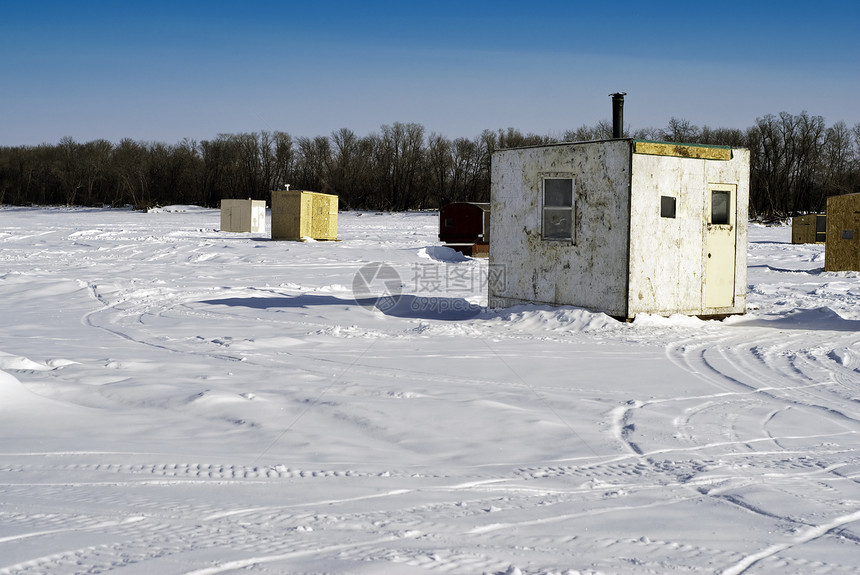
x=465, y=226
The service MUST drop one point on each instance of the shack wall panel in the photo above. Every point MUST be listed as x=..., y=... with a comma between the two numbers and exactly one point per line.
x=324, y=217
x=737, y=172
x=286, y=215
x=842, y=247
x=258, y=216
x=589, y=272
x=667, y=256
x=463, y=222
x=803, y=229
x=299, y=214
x=243, y=216
x=666, y=253
x=739, y=168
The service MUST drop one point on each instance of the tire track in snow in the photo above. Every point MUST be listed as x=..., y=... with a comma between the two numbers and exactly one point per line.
x=92, y=527
x=393, y=534
x=771, y=371
x=91, y=319
x=775, y=369
x=810, y=534
x=775, y=376
x=252, y=561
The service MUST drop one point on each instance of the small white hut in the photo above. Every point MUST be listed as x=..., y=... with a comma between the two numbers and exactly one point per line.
x=621, y=226
x=243, y=216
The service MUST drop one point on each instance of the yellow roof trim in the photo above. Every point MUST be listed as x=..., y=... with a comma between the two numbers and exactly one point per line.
x=682, y=150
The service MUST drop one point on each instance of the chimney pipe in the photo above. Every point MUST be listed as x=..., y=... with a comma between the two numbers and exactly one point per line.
x=618, y=114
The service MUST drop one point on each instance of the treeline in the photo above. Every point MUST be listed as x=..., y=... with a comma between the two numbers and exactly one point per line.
x=797, y=162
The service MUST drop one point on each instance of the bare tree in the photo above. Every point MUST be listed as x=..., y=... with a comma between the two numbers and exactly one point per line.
x=440, y=163
x=512, y=138
x=837, y=159
x=722, y=137
x=131, y=167
x=349, y=170
x=284, y=160
x=681, y=131
x=95, y=158
x=797, y=161
x=402, y=147
x=68, y=168
x=602, y=130
x=313, y=159
x=221, y=168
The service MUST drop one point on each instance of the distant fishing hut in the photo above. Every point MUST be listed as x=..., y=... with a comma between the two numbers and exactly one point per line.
x=300, y=215
x=243, y=216
x=809, y=229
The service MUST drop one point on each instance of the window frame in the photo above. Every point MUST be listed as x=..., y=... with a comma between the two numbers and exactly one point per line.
x=571, y=237
x=726, y=219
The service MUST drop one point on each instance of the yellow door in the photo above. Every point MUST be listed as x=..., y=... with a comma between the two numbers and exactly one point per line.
x=720, y=246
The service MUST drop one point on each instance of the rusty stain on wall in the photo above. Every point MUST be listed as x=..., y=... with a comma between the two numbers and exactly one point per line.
x=683, y=150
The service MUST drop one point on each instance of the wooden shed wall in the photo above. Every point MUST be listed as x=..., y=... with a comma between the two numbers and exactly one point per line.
x=808, y=229
x=842, y=248
x=299, y=214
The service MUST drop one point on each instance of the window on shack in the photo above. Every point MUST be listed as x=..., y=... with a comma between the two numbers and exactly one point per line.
x=720, y=206
x=557, y=209
x=667, y=207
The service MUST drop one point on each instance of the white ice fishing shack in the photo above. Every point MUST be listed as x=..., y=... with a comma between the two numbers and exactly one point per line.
x=621, y=226
x=243, y=216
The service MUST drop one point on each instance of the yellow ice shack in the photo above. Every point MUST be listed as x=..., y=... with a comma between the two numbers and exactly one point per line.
x=301, y=215
x=809, y=229
x=842, y=248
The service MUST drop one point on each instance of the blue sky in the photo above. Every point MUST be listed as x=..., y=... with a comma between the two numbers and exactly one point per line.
x=164, y=71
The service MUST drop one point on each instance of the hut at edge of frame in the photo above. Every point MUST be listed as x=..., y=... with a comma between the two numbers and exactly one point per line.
x=842, y=248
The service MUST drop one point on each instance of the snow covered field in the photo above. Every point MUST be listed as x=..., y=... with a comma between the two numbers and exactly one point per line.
x=176, y=400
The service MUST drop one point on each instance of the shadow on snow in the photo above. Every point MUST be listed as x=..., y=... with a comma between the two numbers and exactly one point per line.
x=403, y=306
x=821, y=319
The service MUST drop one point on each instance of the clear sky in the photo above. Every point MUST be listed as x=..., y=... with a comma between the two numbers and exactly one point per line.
x=164, y=71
